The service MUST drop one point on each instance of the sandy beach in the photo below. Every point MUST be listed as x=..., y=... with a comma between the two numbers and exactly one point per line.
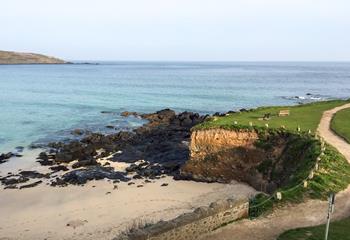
x=100, y=209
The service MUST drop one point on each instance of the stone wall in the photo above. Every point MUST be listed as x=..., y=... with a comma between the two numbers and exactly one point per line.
x=192, y=225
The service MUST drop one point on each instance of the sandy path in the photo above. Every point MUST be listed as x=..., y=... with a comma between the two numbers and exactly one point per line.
x=330, y=136
x=310, y=213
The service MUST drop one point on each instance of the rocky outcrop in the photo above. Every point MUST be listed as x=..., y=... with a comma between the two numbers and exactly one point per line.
x=4, y=157
x=27, y=58
x=162, y=144
x=265, y=161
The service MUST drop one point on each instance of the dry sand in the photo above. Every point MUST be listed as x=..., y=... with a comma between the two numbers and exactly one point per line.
x=97, y=210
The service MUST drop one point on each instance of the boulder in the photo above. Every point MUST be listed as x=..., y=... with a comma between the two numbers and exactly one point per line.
x=81, y=176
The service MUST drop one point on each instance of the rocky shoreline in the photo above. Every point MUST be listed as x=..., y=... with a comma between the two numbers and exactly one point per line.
x=156, y=149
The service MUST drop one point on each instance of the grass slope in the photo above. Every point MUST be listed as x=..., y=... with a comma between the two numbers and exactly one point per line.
x=333, y=175
x=341, y=124
x=306, y=116
x=334, y=171
x=339, y=230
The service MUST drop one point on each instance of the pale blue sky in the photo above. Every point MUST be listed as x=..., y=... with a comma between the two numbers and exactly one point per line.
x=238, y=30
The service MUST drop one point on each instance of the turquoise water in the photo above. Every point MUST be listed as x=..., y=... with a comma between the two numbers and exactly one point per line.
x=39, y=103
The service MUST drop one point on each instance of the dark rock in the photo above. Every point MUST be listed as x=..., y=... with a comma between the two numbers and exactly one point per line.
x=34, y=146
x=110, y=126
x=33, y=174
x=59, y=168
x=34, y=184
x=63, y=157
x=19, y=148
x=131, y=183
x=43, y=156
x=11, y=187
x=77, y=132
x=132, y=168
x=231, y=112
x=45, y=162
x=139, y=186
x=137, y=176
x=81, y=176
x=83, y=163
x=127, y=114
x=5, y=156
x=58, y=182
x=160, y=142
x=107, y=112
x=10, y=180
x=164, y=185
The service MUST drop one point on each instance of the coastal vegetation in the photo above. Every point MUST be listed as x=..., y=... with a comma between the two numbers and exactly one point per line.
x=341, y=124
x=306, y=117
x=318, y=171
x=332, y=175
x=7, y=57
x=338, y=230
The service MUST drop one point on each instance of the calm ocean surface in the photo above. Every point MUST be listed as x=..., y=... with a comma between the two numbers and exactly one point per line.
x=40, y=103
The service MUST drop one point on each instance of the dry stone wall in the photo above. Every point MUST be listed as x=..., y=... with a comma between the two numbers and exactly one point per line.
x=192, y=225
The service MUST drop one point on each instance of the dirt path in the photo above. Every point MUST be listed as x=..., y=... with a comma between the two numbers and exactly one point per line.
x=310, y=213
x=330, y=136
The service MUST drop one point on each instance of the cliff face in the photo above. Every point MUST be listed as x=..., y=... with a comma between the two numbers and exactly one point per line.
x=27, y=58
x=264, y=161
x=204, y=143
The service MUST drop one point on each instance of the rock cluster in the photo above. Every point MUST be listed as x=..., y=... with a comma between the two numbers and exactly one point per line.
x=12, y=180
x=161, y=144
x=5, y=156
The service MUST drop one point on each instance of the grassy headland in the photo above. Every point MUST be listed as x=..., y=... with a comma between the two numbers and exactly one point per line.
x=330, y=170
x=27, y=58
x=306, y=116
x=341, y=124
x=338, y=230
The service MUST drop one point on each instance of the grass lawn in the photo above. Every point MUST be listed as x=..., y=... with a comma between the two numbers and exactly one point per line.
x=341, y=124
x=339, y=230
x=306, y=116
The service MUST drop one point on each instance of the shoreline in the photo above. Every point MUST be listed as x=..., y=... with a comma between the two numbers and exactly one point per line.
x=98, y=211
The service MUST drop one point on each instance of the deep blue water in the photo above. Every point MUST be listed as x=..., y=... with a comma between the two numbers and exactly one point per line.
x=43, y=102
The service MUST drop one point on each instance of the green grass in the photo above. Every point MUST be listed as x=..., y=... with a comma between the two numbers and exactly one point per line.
x=334, y=171
x=339, y=230
x=306, y=116
x=341, y=124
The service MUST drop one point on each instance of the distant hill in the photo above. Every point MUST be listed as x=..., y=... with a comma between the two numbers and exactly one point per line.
x=27, y=58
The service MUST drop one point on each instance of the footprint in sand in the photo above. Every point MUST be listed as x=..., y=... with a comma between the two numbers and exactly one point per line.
x=76, y=223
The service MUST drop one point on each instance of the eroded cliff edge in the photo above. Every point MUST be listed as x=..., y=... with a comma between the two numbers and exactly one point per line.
x=266, y=160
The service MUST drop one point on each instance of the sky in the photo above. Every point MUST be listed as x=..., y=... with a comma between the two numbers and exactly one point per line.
x=179, y=30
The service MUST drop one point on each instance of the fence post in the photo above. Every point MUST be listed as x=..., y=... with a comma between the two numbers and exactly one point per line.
x=331, y=200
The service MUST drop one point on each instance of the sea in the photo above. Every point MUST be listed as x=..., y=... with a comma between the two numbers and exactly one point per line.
x=43, y=103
